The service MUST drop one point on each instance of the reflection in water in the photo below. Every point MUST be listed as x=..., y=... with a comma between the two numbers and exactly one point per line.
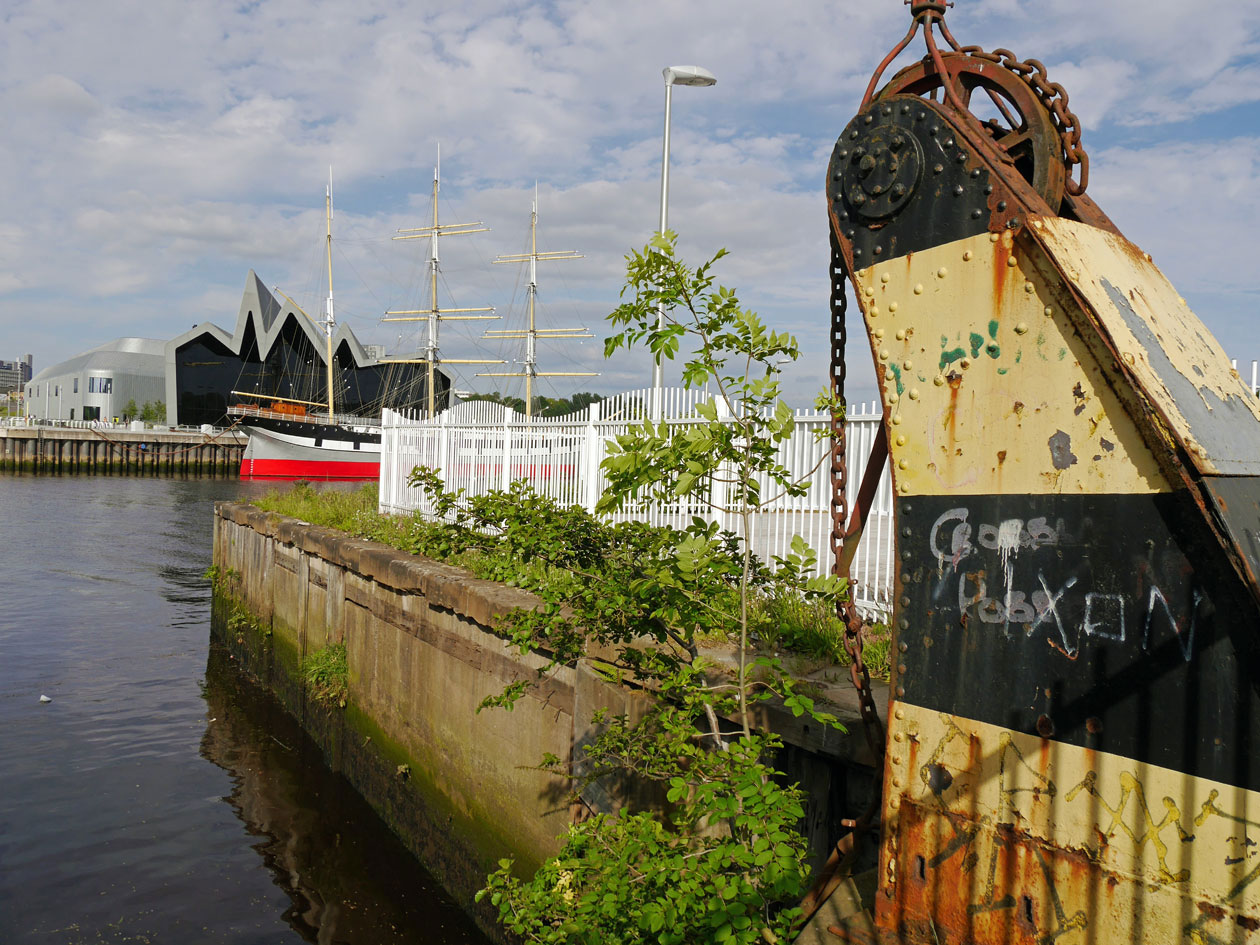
x=112, y=822
x=348, y=878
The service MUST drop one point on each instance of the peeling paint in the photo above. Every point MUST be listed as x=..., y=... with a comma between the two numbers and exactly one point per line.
x=1061, y=450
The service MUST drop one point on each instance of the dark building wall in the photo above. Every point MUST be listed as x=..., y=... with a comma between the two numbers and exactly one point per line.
x=207, y=371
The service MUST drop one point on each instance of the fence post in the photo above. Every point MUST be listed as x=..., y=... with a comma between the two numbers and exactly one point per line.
x=589, y=472
x=719, y=492
x=443, y=445
x=506, y=476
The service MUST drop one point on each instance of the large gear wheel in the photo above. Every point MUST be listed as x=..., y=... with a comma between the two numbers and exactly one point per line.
x=1022, y=129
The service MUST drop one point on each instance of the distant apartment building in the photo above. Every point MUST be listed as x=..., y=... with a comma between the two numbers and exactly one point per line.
x=15, y=374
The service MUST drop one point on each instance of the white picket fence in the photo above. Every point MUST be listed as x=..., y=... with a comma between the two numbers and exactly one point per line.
x=479, y=446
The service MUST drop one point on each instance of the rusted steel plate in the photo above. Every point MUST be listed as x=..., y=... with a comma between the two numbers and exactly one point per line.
x=988, y=386
x=1169, y=354
x=996, y=836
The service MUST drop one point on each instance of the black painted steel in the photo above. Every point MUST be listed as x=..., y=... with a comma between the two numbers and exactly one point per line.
x=900, y=181
x=1102, y=621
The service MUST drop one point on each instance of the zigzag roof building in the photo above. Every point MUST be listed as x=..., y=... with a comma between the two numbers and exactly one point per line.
x=277, y=352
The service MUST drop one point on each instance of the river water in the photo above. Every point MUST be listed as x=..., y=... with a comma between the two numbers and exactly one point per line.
x=159, y=798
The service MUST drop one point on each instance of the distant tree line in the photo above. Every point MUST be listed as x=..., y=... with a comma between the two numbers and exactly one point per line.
x=543, y=406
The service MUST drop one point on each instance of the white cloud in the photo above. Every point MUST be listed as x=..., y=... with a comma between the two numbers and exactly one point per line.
x=154, y=153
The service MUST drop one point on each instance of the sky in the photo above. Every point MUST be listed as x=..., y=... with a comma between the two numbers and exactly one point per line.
x=154, y=152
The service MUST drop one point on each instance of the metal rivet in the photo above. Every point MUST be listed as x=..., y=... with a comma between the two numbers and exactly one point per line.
x=899, y=714
x=859, y=199
x=879, y=250
x=869, y=291
x=920, y=116
x=901, y=334
x=896, y=420
x=1021, y=328
x=852, y=135
x=937, y=168
x=893, y=398
x=887, y=109
x=993, y=237
x=914, y=393
x=874, y=310
x=1012, y=261
x=949, y=142
x=975, y=172
x=888, y=374
x=1147, y=257
x=905, y=602
x=1029, y=288
x=904, y=464
x=988, y=189
x=907, y=365
x=883, y=355
x=962, y=157
x=967, y=255
x=898, y=737
x=939, y=380
x=901, y=692
x=1049, y=310
x=905, y=109
x=918, y=289
x=975, y=214
x=942, y=272
x=857, y=253
x=905, y=578
x=958, y=190
x=879, y=333
x=868, y=119
x=905, y=532
x=901, y=669
x=934, y=129
x=901, y=440
x=885, y=278
x=904, y=624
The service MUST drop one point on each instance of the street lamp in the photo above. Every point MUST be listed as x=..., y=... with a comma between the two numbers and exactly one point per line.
x=674, y=75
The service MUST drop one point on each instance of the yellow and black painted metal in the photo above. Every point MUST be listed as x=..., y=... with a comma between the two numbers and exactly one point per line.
x=1073, y=743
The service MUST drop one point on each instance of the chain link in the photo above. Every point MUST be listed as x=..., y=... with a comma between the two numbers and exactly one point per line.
x=1055, y=99
x=845, y=610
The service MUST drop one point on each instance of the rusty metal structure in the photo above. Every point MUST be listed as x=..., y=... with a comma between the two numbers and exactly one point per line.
x=1073, y=744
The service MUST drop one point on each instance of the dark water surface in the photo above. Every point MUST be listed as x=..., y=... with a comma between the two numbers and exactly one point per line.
x=159, y=798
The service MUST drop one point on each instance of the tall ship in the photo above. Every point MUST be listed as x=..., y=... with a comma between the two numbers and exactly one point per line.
x=293, y=438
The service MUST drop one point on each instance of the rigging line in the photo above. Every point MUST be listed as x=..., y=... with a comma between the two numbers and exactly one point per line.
x=355, y=269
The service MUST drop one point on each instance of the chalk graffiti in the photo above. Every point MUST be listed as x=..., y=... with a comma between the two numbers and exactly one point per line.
x=1018, y=597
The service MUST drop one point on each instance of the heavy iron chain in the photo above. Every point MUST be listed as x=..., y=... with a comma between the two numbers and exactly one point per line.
x=1055, y=98
x=840, y=507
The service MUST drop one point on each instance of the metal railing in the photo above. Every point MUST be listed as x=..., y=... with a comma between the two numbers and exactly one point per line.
x=479, y=446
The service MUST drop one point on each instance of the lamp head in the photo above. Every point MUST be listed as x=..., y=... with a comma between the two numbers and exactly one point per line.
x=688, y=75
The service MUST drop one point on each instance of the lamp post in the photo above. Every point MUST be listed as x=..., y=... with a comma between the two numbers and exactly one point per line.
x=674, y=75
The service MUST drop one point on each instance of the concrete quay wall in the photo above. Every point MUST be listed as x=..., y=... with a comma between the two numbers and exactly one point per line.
x=44, y=448
x=460, y=787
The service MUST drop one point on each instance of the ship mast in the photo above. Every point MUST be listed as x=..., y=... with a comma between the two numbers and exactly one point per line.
x=329, y=321
x=434, y=315
x=529, y=366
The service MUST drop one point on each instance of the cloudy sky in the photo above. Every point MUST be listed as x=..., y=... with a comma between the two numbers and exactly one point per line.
x=154, y=152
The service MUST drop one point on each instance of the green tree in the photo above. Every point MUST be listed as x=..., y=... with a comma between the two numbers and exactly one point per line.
x=723, y=860
x=130, y=411
x=154, y=412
